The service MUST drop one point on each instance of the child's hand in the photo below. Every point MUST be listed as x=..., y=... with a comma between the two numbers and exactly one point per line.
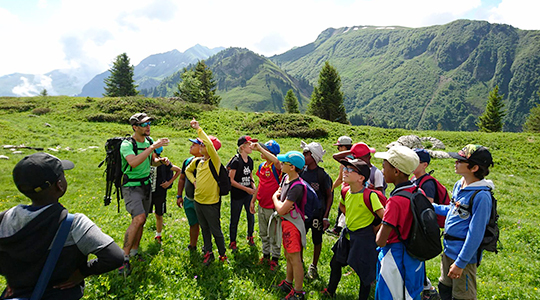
x=455, y=272
x=252, y=207
x=194, y=124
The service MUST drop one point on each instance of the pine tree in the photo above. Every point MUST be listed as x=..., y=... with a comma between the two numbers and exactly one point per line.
x=44, y=93
x=120, y=83
x=532, y=124
x=198, y=85
x=327, y=98
x=492, y=119
x=290, y=104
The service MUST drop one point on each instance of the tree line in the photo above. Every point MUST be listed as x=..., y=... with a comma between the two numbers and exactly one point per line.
x=197, y=85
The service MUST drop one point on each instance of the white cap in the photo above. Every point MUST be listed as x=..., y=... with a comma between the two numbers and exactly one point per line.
x=401, y=157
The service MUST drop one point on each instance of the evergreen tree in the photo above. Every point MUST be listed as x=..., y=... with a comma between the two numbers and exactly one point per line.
x=44, y=93
x=532, y=124
x=492, y=119
x=198, y=85
x=327, y=98
x=120, y=83
x=290, y=104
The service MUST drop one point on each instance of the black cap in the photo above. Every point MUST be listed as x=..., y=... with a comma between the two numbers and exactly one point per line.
x=244, y=139
x=139, y=118
x=474, y=153
x=359, y=165
x=39, y=171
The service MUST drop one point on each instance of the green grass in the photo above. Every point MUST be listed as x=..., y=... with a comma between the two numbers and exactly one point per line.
x=171, y=272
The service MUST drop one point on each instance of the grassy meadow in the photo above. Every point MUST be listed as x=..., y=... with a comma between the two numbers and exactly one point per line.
x=75, y=125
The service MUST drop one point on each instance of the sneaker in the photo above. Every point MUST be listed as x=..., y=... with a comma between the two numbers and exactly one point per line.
x=273, y=265
x=157, y=238
x=208, y=258
x=430, y=294
x=312, y=272
x=326, y=294
x=223, y=259
x=294, y=295
x=332, y=232
x=284, y=286
x=251, y=242
x=233, y=247
x=125, y=269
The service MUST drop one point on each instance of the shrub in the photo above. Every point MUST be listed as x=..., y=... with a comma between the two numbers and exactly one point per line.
x=81, y=106
x=41, y=111
x=101, y=117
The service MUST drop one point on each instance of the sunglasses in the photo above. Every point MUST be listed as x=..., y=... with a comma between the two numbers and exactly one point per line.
x=287, y=163
x=461, y=161
x=145, y=124
x=349, y=170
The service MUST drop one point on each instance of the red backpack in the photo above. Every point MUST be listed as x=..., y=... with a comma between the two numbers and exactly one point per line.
x=367, y=193
x=441, y=196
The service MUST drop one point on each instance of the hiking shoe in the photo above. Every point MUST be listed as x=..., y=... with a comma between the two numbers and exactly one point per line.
x=284, y=286
x=326, y=294
x=251, y=242
x=312, y=272
x=223, y=259
x=125, y=269
x=430, y=294
x=294, y=295
x=273, y=265
x=208, y=258
x=233, y=247
x=332, y=232
x=157, y=238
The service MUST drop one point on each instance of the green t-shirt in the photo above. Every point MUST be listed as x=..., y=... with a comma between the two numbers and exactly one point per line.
x=142, y=170
x=357, y=214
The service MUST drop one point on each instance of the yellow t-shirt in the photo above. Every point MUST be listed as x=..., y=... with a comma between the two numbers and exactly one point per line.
x=357, y=214
x=206, y=186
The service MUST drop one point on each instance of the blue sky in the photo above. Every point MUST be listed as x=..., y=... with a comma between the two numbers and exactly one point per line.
x=39, y=36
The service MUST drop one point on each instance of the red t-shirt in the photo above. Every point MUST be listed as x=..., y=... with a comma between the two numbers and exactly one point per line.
x=398, y=213
x=268, y=185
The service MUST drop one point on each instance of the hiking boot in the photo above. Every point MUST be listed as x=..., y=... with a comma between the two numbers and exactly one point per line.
x=294, y=295
x=157, y=238
x=332, y=232
x=125, y=269
x=233, y=247
x=273, y=265
x=223, y=259
x=312, y=272
x=251, y=242
x=326, y=294
x=284, y=286
x=430, y=294
x=208, y=258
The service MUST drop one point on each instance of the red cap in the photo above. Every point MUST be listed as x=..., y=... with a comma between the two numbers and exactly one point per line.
x=215, y=141
x=361, y=149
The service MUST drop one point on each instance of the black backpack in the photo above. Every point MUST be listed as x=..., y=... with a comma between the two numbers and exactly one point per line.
x=491, y=241
x=114, y=174
x=424, y=241
x=222, y=179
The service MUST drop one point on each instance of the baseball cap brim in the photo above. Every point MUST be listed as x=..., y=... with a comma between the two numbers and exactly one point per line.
x=195, y=141
x=67, y=164
x=456, y=156
x=382, y=155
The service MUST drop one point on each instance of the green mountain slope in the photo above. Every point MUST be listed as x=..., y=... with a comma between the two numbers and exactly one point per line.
x=426, y=78
x=246, y=81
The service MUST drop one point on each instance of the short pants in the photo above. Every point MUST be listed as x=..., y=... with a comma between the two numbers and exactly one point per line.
x=463, y=287
x=316, y=233
x=137, y=199
x=292, y=241
x=159, y=202
x=191, y=214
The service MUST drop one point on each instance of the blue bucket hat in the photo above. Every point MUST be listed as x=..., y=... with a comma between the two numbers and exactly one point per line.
x=295, y=158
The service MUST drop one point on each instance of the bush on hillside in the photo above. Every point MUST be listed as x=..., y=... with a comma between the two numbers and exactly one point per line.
x=41, y=111
x=18, y=106
x=285, y=125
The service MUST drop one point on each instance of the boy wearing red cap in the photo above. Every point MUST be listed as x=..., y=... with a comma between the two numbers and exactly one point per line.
x=207, y=198
x=242, y=188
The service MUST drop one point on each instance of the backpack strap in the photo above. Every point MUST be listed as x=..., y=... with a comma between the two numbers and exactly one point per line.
x=469, y=209
x=407, y=195
x=273, y=171
x=367, y=201
x=304, y=197
x=213, y=170
x=52, y=258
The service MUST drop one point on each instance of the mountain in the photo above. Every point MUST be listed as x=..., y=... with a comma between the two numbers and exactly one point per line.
x=151, y=70
x=57, y=82
x=436, y=77
x=245, y=81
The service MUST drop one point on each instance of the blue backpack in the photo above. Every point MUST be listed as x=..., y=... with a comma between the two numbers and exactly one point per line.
x=311, y=204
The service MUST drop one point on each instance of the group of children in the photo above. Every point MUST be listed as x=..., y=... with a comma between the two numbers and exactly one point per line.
x=372, y=229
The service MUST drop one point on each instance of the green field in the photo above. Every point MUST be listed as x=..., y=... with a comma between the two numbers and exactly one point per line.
x=171, y=272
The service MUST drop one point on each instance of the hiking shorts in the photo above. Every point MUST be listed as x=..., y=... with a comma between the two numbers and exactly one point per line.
x=316, y=232
x=159, y=202
x=292, y=241
x=191, y=214
x=463, y=287
x=138, y=199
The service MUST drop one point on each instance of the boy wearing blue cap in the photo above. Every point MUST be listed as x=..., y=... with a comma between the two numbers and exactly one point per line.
x=162, y=179
x=289, y=201
x=269, y=173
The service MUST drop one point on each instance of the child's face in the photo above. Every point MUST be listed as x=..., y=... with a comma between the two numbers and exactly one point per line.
x=351, y=177
x=421, y=169
x=203, y=150
x=195, y=149
x=287, y=167
x=461, y=168
x=308, y=157
x=389, y=172
x=246, y=149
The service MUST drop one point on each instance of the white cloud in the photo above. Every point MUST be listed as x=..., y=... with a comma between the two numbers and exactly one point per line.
x=33, y=86
x=522, y=14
